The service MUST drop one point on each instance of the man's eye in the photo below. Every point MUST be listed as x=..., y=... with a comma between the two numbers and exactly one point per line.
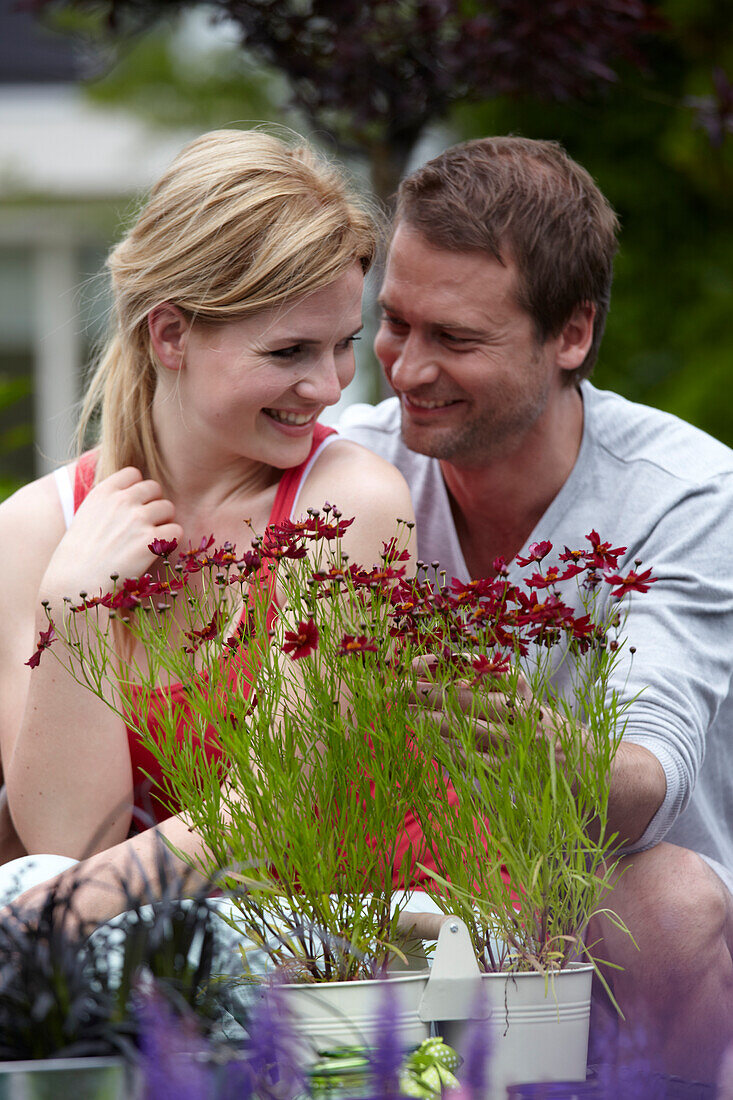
x=393, y=322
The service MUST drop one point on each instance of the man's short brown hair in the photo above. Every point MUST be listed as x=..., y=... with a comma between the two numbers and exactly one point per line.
x=525, y=200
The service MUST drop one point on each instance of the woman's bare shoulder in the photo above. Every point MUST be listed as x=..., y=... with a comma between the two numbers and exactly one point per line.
x=32, y=522
x=366, y=488
x=350, y=472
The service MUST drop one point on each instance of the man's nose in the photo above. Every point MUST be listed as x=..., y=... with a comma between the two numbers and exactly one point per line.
x=414, y=365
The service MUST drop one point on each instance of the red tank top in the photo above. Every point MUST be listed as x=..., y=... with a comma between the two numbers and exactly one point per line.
x=152, y=802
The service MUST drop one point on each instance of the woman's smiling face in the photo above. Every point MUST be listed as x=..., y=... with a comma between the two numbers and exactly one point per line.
x=254, y=388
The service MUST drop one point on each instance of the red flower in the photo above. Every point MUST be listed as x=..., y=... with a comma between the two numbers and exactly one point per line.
x=207, y=633
x=301, y=642
x=251, y=561
x=226, y=554
x=497, y=667
x=45, y=637
x=276, y=545
x=632, y=582
x=537, y=551
x=602, y=555
x=162, y=547
x=323, y=529
x=133, y=591
x=245, y=629
x=390, y=551
x=538, y=580
x=361, y=644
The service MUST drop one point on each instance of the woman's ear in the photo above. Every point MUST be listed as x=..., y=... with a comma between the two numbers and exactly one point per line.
x=168, y=327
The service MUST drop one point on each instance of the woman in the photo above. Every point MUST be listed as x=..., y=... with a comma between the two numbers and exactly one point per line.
x=237, y=300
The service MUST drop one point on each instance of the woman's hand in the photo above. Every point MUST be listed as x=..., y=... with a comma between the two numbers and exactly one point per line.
x=110, y=533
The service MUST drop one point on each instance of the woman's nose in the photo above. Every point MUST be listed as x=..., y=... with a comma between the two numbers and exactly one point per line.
x=324, y=382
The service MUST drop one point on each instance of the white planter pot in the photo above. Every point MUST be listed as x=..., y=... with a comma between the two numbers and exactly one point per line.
x=67, y=1079
x=537, y=1028
x=334, y=1014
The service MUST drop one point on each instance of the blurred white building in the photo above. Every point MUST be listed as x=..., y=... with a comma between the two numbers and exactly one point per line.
x=70, y=173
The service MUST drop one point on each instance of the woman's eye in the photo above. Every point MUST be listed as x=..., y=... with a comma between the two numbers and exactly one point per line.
x=344, y=345
x=290, y=352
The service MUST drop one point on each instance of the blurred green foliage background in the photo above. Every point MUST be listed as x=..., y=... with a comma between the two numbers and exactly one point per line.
x=668, y=341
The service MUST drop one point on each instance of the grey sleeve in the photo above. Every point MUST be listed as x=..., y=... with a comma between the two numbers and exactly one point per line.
x=682, y=633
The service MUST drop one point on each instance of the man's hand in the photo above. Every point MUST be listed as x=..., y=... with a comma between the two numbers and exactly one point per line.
x=493, y=713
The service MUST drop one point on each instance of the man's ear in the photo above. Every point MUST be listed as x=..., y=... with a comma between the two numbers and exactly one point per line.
x=576, y=337
x=168, y=327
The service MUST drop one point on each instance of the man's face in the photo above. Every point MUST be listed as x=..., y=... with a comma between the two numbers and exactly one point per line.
x=461, y=354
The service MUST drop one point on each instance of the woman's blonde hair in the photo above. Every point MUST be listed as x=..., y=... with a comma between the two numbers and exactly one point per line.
x=241, y=222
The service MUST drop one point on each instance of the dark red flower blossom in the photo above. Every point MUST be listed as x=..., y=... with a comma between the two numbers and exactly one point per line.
x=162, y=547
x=301, y=642
x=277, y=545
x=360, y=644
x=498, y=666
x=543, y=580
x=133, y=591
x=500, y=567
x=391, y=551
x=192, y=559
x=45, y=637
x=208, y=632
x=226, y=554
x=632, y=582
x=602, y=555
x=536, y=552
x=321, y=528
x=250, y=561
x=245, y=630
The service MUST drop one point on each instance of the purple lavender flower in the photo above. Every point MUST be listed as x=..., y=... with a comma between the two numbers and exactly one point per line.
x=627, y=1070
x=476, y=1051
x=173, y=1053
x=272, y=1050
x=387, y=1056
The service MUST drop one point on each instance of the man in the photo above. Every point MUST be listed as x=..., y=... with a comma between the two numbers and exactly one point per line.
x=494, y=301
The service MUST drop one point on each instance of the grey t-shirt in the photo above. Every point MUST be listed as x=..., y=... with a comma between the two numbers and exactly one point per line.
x=648, y=481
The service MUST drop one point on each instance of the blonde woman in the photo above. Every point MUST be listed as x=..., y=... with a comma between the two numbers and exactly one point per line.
x=237, y=298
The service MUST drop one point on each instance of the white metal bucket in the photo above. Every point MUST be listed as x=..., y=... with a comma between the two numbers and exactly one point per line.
x=538, y=1027
x=334, y=1014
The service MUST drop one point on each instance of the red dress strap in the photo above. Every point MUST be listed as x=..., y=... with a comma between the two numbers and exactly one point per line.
x=86, y=466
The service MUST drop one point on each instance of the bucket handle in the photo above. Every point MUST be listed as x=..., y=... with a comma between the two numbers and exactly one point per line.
x=454, y=988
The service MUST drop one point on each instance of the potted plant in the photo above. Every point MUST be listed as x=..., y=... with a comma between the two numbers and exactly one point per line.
x=524, y=668
x=310, y=815
x=70, y=1004
x=305, y=820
